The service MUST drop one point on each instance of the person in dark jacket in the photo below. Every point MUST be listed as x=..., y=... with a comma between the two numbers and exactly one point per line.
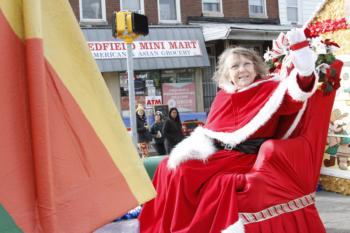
x=156, y=131
x=143, y=134
x=172, y=130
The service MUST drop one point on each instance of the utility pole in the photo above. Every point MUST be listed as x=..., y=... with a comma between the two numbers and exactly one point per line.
x=128, y=26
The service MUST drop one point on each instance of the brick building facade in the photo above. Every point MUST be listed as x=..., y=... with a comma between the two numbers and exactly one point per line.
x=224, y=23
x=231, y=10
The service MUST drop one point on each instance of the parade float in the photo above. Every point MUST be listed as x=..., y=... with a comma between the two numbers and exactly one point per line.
x=331, y=22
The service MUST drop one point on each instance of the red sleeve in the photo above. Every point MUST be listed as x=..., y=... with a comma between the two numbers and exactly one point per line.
x=306, y=83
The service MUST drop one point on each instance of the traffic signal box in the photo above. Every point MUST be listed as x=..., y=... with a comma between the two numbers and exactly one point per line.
x=129, y=25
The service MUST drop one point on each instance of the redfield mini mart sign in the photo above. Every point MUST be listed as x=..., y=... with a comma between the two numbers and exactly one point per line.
x=144, y=49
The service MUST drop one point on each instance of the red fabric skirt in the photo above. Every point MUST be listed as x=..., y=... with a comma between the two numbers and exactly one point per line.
x=196, y=197
x=305, y=220
x=202, y=197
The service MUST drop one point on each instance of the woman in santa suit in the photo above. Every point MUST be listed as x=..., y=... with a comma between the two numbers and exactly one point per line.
x=197, y=186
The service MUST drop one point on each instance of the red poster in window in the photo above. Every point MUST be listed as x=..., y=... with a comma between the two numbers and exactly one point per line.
x=125, y=102
x=180, y=95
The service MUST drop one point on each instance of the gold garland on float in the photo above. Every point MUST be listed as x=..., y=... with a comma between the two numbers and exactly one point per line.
x=335, y=184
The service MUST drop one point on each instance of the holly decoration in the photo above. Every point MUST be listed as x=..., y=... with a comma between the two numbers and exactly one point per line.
x=328, y=78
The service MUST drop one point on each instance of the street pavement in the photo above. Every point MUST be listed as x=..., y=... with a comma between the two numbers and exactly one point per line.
x=334, y=210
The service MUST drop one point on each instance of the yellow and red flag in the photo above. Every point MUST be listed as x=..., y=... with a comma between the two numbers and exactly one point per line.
x=67, y=162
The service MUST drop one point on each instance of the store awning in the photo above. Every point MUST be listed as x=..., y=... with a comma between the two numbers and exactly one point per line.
x=241, y=31
x=166, y=47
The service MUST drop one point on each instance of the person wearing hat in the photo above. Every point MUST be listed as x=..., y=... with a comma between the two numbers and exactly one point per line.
x=156, y=131
x=143, y=134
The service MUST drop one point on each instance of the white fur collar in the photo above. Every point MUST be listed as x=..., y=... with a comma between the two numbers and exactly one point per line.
x=228, y=87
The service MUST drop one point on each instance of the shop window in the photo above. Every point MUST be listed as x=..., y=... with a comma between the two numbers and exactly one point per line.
x=292, y=11
x=169, y=11
x=257, y=8
x=132, y=5
x=178, y=89
x=179, y=86
x=93, y=11
x=145, y=84
x=209, y=85
x=178, y=76
x=212, y=7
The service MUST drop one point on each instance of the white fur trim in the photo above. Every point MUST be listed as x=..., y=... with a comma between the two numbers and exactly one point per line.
x=296, y=121
x=228, y=87
x=196, y=146
x=259, y=120
x=294, y=90
x=237, y=227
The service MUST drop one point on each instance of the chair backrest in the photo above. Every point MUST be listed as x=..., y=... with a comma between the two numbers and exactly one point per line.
x=286, y=169
x=315, y=123
x=314, y=126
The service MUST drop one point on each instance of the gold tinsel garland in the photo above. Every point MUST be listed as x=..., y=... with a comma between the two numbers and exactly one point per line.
x=335, y=184
x=331, y=10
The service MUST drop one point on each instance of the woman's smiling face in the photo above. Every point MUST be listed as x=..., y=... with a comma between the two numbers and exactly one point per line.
x=241, y=71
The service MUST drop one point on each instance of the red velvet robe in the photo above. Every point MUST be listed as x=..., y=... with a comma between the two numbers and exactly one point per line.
x=200, y=197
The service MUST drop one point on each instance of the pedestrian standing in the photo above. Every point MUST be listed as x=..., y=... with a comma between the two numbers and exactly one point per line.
x=143, y=134
x=156, y=131
x=172, y=130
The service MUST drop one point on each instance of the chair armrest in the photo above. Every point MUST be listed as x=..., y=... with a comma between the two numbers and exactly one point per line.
x=151, y=164
x=284, y=169
x=286, y=153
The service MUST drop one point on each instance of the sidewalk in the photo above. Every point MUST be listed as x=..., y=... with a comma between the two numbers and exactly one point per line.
x=334, y=211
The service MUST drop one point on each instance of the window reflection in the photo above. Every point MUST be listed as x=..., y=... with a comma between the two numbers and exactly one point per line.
x=167, y=9
x=92, y=9
x=131, y=5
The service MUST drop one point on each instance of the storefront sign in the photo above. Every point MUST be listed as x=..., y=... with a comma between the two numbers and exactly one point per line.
x=143, y=49
x=149, y=83
x=180, y=95
x=153, y=100
x=151, y=91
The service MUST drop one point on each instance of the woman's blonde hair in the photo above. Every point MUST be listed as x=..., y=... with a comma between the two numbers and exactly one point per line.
x=221, y=75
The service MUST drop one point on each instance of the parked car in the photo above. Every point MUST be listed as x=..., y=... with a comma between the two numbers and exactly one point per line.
x=189, y=125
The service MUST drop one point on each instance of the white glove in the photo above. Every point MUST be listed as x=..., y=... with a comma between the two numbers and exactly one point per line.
x=304, y=58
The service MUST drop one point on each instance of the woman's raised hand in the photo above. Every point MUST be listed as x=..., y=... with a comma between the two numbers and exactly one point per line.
x=301, y=54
